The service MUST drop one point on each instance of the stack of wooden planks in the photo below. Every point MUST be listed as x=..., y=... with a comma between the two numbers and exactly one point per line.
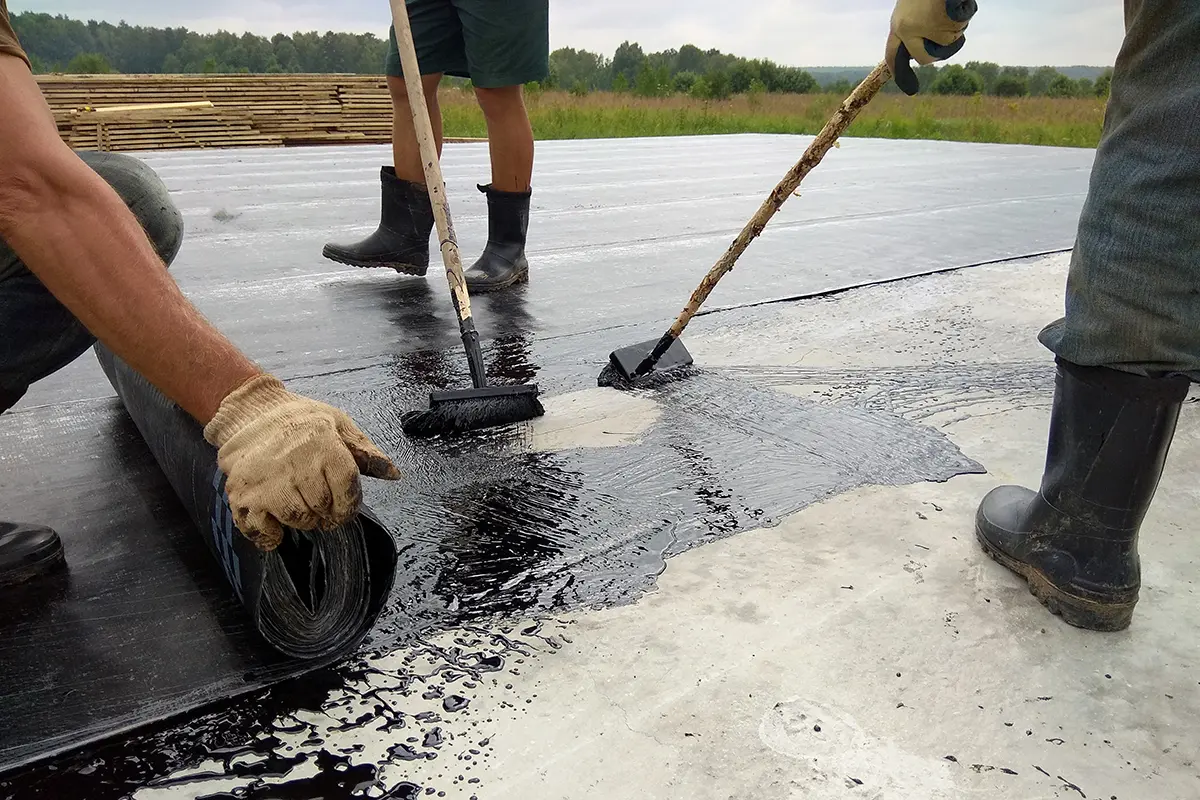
x=152, y=112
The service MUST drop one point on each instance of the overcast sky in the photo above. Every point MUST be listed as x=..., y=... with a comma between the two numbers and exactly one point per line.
x=793, y=32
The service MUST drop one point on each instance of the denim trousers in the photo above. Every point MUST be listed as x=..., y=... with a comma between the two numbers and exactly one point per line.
x=1133, y=289
x=38, y=335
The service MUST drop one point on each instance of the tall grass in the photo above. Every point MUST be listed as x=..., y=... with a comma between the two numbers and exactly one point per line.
x=558, y=115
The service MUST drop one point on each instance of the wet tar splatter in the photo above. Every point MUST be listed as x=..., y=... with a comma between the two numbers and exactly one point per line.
x=396, y=755
x=454, y=703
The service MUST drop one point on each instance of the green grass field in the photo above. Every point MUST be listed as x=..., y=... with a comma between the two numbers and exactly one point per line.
x=558, y=115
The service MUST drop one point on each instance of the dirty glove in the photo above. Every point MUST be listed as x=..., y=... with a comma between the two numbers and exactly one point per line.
x=925, y=31
x=289, y=460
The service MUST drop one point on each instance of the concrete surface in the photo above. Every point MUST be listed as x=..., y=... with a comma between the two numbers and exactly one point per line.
x=865, y=647
x=591, y=418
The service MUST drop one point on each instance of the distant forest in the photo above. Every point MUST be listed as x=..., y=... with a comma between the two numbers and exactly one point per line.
x=59, y=44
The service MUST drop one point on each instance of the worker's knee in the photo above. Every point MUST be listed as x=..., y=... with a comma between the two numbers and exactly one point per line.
x=146, y=196
x=501, y=102
x=399, y=90
x=38, y=334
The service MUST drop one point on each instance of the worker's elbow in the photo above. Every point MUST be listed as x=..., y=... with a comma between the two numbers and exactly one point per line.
x=108, y=190
x=27, y=190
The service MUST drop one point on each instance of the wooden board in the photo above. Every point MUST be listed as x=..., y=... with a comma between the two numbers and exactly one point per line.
x=189, y=111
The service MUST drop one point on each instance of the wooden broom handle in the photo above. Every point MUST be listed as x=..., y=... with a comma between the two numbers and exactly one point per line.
x=834, y=128
x=429, y=160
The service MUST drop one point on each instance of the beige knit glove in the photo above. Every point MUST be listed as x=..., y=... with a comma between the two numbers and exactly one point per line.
x=289, y=460
x=925, y=31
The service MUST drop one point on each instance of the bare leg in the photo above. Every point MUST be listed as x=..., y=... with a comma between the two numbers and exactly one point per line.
x=510, y=137
x=406, y=155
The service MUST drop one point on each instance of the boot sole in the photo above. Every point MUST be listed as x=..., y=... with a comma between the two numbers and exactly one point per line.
x=521, y=277
x=1079, y=612
x=52, y=561
x=407, y=269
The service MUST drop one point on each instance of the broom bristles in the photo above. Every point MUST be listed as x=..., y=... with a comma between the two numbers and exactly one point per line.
x=611, y=378
x=470, y=414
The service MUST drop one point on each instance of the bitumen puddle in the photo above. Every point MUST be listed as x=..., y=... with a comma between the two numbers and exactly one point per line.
x=493, y=526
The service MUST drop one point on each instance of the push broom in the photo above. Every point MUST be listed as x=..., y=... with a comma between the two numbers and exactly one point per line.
x=482, y=406
x=628, y=364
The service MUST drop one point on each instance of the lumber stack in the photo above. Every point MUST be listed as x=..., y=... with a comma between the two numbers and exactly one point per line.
x=152, y=112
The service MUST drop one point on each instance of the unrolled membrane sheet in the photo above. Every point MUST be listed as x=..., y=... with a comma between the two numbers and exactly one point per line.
x=135, y=644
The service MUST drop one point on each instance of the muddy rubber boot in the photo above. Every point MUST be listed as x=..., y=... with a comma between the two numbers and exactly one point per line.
x=401, y=241
x=27, y=552
x=1075, y=540
x=502, y=262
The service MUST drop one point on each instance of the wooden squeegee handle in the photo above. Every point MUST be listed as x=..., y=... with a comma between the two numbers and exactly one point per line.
x=429, y=161
x=834, y=128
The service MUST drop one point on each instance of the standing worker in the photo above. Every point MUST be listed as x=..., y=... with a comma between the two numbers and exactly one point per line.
x=1128, y=347
x=500, y=45
x=84, y=243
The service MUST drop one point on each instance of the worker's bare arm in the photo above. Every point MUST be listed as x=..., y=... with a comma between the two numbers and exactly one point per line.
x=289, y=460
x=72, y=230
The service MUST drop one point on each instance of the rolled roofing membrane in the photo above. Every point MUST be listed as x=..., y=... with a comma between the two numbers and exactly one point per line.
x=313, y=597
x=144, y=632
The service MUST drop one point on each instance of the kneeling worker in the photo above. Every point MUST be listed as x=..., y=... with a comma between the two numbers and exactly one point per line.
x=500, y=46
x=84, y=240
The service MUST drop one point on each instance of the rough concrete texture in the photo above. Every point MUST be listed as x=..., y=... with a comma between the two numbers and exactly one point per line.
x=586, y=419
x=864, y=647
x=867, y=638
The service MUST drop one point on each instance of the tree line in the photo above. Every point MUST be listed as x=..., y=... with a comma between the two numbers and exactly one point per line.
x=985, y=77
x=713, y=74
x=59, y=44
x=56, y=43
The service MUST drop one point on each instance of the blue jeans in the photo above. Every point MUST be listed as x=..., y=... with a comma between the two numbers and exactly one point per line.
x=1133, y=291
x=38, y=335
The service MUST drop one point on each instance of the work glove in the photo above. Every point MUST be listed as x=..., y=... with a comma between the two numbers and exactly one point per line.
x=289, y=460
x=925, y=31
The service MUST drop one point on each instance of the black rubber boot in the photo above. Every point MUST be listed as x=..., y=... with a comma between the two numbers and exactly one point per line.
x=502, y=262
x=1075, y=541
x=402, y=239
x=27, y=552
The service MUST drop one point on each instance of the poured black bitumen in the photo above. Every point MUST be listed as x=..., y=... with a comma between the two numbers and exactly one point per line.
x=143, y=626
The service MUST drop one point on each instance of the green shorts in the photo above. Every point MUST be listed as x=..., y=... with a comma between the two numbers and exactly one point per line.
x=493, y=42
